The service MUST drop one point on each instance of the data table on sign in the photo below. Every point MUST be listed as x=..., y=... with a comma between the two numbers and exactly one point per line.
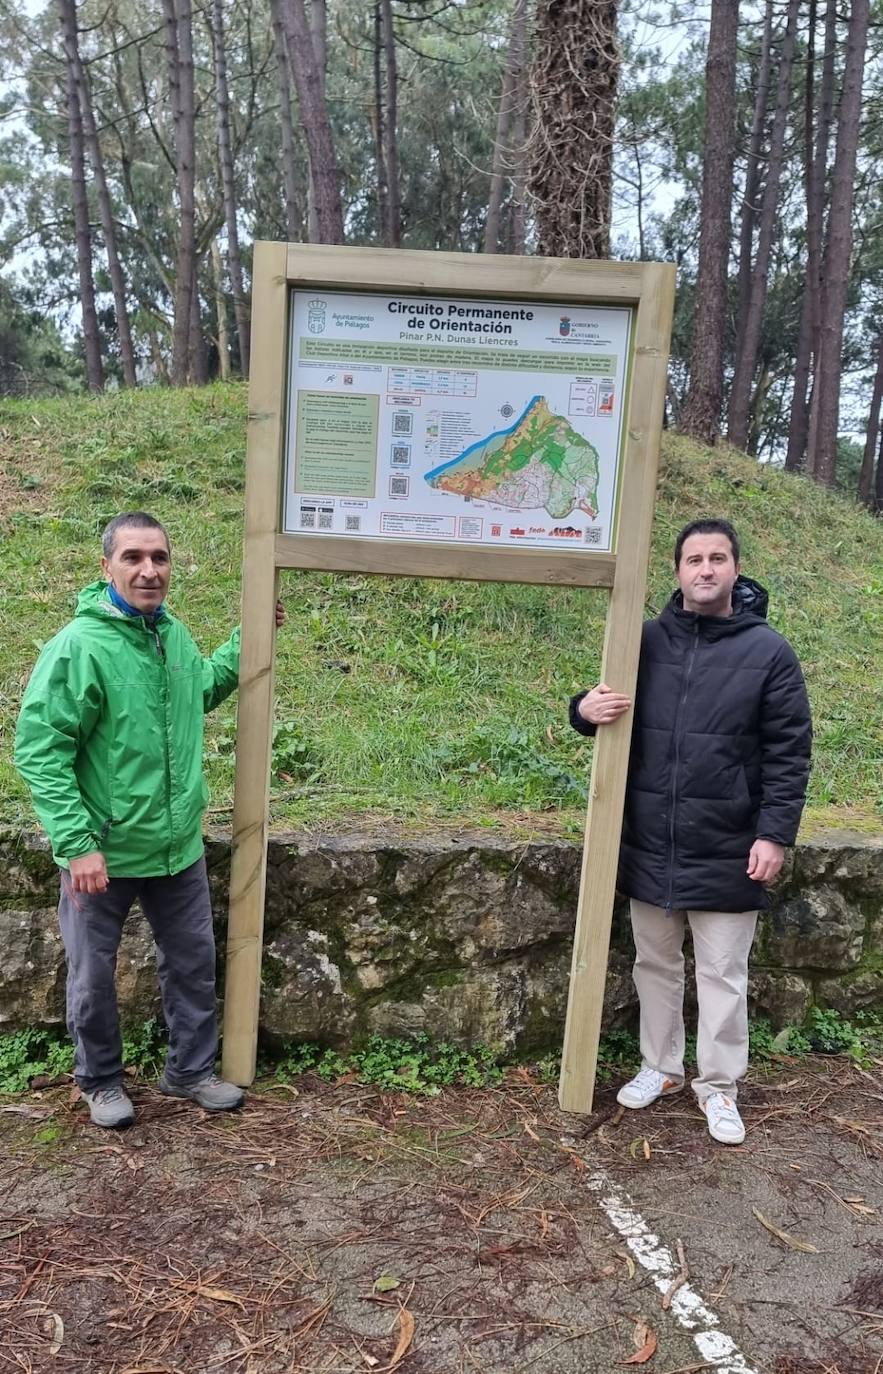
x=432, y=381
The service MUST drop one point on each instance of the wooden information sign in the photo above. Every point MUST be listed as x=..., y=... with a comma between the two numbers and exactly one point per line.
x=448, y=415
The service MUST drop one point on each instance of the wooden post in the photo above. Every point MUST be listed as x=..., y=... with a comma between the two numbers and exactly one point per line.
x=619, y=669
x=254, y=728
x=278, y=268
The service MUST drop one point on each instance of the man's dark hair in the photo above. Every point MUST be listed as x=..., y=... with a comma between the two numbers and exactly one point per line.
x=130, y=520
x=707, y=527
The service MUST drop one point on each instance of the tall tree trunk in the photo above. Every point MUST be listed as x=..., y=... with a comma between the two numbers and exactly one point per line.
x=197, y=358
x=82, y=230
x=177, y=16
x=866, y=476
x=378, y=122
x=878, y=483
x=390, y=128
x=68, y=12
x=573, y=93
x=517, y=212
x=319, y=34
x=294, y=216
x=225, y=152
x=838, y=250
x=702, y=408
x=221, y=313
x=750, y=206
x=740, y=393
x=815, y=176
x=309, y=84
x=506, y=119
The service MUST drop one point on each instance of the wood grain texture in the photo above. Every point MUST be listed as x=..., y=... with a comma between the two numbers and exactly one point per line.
x=619, y=669
x=478, y=563
x=398, y=271
x=254, y=728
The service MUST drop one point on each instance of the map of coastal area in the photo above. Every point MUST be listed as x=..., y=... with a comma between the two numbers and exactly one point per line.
x=539, y=462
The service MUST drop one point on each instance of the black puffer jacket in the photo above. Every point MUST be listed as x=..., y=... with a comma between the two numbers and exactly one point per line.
x=720, y=755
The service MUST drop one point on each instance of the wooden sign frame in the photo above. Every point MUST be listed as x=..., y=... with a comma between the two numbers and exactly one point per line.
x=648, y=289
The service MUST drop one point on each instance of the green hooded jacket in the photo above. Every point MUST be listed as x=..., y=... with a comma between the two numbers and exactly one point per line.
x=109, y=737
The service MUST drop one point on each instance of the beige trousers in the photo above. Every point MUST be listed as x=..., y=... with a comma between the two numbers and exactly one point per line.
x=721, y=944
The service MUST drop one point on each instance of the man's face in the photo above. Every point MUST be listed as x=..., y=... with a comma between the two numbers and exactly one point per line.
x=706, y=574
x=139, y=567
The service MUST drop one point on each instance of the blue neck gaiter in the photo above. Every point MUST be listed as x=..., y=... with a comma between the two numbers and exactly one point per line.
x=123, y=605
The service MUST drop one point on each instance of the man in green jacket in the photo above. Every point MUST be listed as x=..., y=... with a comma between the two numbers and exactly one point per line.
x=109, y=741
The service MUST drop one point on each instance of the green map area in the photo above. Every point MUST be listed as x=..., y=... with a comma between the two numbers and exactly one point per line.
x=541, y=463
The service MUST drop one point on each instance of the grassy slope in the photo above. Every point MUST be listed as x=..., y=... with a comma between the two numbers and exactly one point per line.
x=417, y=699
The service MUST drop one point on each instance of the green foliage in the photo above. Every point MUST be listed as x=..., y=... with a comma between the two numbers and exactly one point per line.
x=294, y=759
x=26, y=1053
x=619, y=1057
x=411, y=1066
x=824, y=1031
x=144, y=1046
x=406, y=697
x=508, y=757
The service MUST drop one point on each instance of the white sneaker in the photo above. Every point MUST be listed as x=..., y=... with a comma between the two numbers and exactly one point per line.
x=724, y=1122
x=645, y=1087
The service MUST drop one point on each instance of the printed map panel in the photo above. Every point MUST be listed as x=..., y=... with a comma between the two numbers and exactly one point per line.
x=464, y=421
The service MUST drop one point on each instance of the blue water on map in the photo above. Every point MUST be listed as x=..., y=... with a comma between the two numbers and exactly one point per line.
x=480, y=443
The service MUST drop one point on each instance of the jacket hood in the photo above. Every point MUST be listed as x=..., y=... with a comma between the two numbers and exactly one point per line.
x=750, y=601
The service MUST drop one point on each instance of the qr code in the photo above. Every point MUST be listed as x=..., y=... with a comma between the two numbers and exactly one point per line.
x=353, y=524
x=593, y=534
x=402, y=422
x=326, y=519
x=401, y=455
x=398, y=486
x=308, y=519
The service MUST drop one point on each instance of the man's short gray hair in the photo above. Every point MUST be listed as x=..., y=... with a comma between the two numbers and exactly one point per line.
x=130, y=520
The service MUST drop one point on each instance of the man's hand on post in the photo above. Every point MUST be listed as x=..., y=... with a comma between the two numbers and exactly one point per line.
x=765, y=861
x=280, y=615
x=89, y=872
x=601, y=706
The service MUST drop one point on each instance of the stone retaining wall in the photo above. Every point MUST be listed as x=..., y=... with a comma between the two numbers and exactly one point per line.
x=464, y=936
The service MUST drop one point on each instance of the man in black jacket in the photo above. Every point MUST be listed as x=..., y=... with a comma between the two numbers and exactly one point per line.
x=717, y=780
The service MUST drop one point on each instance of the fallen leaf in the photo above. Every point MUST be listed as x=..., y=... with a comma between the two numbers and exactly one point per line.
x=370, y=1360
x=135, y=1163
x=640, y=1334
x=635, y=1146
x=647, y=1351
x=56, y=1325
x=531, y=1132
x=220, y=1295
x=19, y=1231
x=386, y=1283
x=792, y=1241
x=406, y=1335
x=147, y=1369
x=630, y=1265
x=646, y=1149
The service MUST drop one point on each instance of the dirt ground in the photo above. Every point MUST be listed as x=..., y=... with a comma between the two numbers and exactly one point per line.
x=334, y=1228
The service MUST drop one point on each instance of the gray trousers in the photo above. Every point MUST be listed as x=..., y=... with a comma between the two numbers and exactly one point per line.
x=179, y=912
x=721, y=945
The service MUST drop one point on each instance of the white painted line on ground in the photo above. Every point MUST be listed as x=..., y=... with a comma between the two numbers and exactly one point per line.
x=714, y=1345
